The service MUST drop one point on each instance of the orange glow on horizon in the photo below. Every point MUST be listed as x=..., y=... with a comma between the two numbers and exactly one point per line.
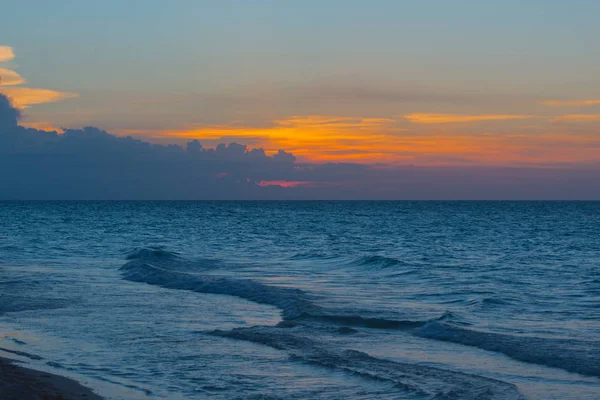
x=324, y=139
x=42, y=126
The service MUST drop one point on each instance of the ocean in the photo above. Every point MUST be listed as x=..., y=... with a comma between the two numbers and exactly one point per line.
x=306, y=300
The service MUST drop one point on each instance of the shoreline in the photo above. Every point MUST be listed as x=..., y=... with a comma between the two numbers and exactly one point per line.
x=21, y=383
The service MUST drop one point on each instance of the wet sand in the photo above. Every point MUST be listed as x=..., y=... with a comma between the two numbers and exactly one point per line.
x=18, y=383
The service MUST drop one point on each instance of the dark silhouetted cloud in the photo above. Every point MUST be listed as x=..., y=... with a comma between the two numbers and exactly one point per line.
x=90, y=163
x=9, y=116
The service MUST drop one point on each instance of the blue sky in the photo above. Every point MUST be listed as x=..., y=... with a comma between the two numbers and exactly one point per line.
x=168, y=45
x=170, y=71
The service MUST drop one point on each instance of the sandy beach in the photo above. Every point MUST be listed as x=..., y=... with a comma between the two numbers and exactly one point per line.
x=18, y=383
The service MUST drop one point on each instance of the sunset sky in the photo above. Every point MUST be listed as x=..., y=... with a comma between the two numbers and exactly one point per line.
x=431, y=83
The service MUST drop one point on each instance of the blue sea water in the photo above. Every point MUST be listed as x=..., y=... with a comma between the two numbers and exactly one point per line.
x=298, y=300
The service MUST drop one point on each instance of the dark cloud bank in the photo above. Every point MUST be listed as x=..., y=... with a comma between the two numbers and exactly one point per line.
x=90, y=164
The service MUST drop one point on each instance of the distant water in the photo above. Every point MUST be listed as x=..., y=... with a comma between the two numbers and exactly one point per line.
x=297, y=300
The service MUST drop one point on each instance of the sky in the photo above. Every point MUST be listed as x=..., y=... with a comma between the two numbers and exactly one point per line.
x=383, y=86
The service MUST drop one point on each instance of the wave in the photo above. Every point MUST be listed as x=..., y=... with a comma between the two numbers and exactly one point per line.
x=156, y=266
x=572, y=355
x=483, y=302
x=438, y=383
x=371, y=262
x=152, y=252
x=377, y=262
x=292, y=302
x=162, y=268
x=311, y=255
x=172, y=260
x=10, y=247
x=22, y=354
x=17, y=304
x=364, y=322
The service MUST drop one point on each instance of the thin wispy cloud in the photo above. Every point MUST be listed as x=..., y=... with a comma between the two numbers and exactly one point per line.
x=285, y=184
x=433, y=118
x=577, y=118
x=571, y=103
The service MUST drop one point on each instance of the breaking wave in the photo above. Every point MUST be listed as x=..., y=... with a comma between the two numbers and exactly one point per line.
x=147, y=267
x=436, y=382
x=572, y=355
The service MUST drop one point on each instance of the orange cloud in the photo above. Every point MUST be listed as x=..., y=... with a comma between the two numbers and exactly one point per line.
x=285, y=184
x=9, y=77
x=6, y=53
x=308, y=129
x=23, y=97
x=578, y=118
x=570, y=103
x=430, y=118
